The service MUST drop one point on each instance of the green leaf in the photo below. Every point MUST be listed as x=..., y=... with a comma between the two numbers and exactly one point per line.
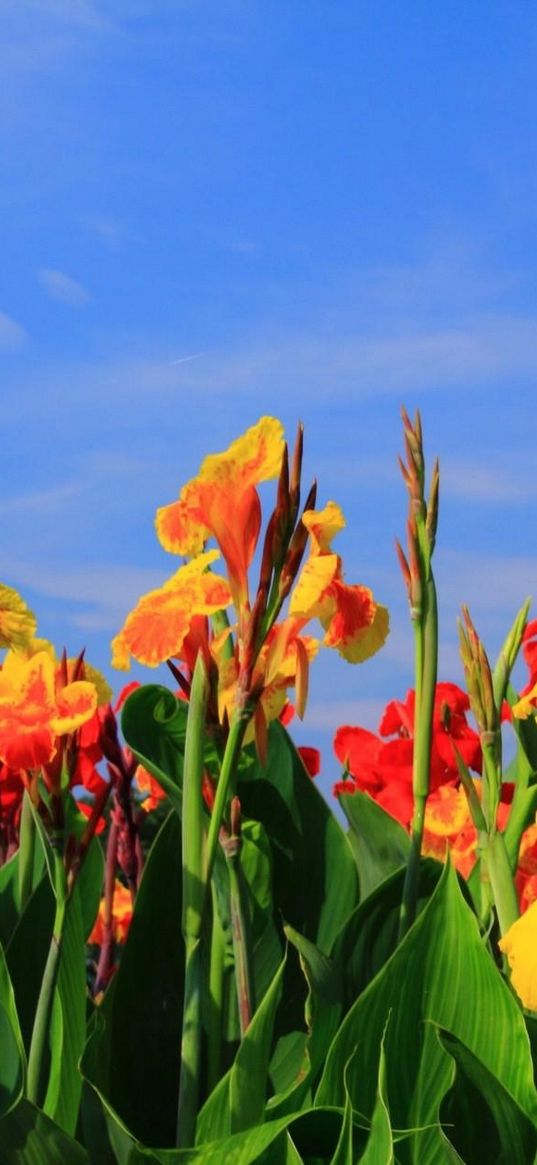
x=90, y=884
x=443, y=973
x=369, y=936
x=314, y=1135
x=315, y=880
x=379, y=1148
x=153, y=722
x=28, y=1137
x=132, y=1057
x=27, y=952
x=482, y=1120
x=68, y=1027
x=10, y=909
x=12, y=1058
x=238, y=1101
x=379, y=842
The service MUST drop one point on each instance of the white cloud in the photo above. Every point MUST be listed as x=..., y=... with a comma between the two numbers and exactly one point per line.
x=110, y=590
x=480, y=483
x=12, y=335
x=39, y=501
x=61, y=287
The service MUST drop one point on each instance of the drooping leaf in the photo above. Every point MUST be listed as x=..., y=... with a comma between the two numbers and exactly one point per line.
x=379, y=842
x=443, y=973
x=28, y=1137
x=481, y=1119
x=133, y=1055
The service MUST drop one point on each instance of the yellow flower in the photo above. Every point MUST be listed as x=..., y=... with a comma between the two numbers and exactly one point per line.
x=222, y=502
x=17, y=623
x=158, y=626
x=524, y=707
x=354, y=623
x=34, y=710
x=520, y=946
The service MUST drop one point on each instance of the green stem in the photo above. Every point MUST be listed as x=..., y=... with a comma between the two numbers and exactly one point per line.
x=216, y=994
x=187, y=1110
x=39, y=1047
x=194, y=885
x=242, y=947
x=27, y=835
x=426, y=673
x=226, y=779
x=501, y=879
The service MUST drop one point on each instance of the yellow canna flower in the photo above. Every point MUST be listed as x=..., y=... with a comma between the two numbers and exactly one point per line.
x=520, y=945
x=354, y=623
x=34, y=710
x=222, y=502
x=17, y=623
x=524, y=707
x=158, y=626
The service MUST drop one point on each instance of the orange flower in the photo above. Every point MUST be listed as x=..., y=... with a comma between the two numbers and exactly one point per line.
x=161, y=621
x=121, y=917
x=448, y=825
x=354, y=623
x=222, y=502
x=153, y=794
x=34, y=710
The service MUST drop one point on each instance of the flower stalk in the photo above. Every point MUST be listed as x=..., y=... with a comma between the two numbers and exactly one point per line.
x=418, y=575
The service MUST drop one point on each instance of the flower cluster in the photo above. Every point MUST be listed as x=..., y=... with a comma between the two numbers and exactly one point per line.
x=252, y=656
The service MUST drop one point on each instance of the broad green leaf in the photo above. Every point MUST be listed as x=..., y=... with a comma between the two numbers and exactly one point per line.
x=12, y=1058
x=90, y=884
x=379, y=1148
x=315, y=881
x=153, y=721
x=314, y=1135
x=344, y=1151
x=10, y=909
x=369, y=936
x=28, y=1137
x=27, y=952
x=481, y=1119
x=443, y=973
x=379, y=842
x=68, y=1027
x=132, y=1057
x=238, y=1101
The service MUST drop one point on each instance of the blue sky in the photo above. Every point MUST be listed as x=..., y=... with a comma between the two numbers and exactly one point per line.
x=215, y=210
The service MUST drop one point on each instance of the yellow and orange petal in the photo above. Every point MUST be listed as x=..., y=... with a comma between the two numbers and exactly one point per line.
x=121, y=917
x=159, y=624
x=520, y=945
x=152, y=792
x=32, y=713
x=17, y=623
x=223, y=480
x=308, y=600
x=524, y=707
x=323, y=525
x=355, y=625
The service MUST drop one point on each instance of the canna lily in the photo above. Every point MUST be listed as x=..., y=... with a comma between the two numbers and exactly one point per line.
x=35, y=710
x=161, y=622
x=353, y=622
x=121, y=917
x=222, y=503
x=17, y=623
x=519, y=943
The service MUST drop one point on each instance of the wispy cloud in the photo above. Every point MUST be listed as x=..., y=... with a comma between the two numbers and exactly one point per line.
x=12, y=335
x=40, y=501
x=480, y=483
x=62, y=287
x=109, y=591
